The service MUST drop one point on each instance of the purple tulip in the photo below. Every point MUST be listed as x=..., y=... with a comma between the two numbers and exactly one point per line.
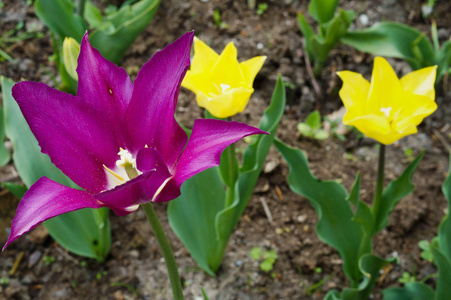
x=116, y=139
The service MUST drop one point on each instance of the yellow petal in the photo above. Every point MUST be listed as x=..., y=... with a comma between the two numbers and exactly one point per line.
x=227, y=69
x=421, y=82
x=354, y=92
x=368, y=123
x=385, y=90
x=204, y=57
x=251, y=67
x=227, y=104
x=416, y=109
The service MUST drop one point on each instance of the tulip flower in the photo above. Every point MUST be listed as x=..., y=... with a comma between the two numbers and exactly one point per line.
x=117, y=140
x=388, y=108
x=222, y=85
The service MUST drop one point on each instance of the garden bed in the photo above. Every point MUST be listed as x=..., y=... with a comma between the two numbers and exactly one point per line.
x=135, y=268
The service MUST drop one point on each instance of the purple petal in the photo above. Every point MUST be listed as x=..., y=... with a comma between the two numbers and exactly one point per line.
x=125, y=198
x=44, y=200
x=162, y=187
x=208, y=139
x=150, y=116
x=77, y=137
x=105, y=87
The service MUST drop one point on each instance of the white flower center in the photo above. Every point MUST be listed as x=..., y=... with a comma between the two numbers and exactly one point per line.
x=386, y=111
x=124, y=171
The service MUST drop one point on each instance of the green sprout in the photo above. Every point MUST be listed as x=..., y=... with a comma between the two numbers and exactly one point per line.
x=261, y=8
x=4, y=280
x=312, y=127
x=269, y=258
x=407, y=277
x=48, y=260
x=217, y=19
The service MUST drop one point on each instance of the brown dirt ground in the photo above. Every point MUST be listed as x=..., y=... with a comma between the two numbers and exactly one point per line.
x=135, y=261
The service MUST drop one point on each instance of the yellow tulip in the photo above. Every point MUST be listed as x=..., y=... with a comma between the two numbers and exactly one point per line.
x=222, y=85
x=388, y=108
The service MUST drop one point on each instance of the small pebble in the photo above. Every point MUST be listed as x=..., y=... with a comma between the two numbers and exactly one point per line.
x=364, y=20
x=260, y=46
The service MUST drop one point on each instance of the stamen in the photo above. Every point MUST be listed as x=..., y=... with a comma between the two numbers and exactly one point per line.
x=386, y=111
x=114, y=173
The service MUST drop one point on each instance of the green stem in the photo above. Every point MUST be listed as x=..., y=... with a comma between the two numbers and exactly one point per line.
x=379, y=183
x=81, y=8
x=101, y=219
x=165, y=247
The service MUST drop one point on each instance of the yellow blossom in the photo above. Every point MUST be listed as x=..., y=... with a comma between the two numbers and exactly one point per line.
x=388, y=108
x=222, y=85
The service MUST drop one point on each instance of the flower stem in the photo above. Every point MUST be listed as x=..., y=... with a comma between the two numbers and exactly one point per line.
x=165, y=247
x=379, y=183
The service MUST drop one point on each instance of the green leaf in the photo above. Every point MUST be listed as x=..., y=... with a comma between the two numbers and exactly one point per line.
x=320, y=134
x=5, y=156
x=363, y=214
x=18, y=190
x=411, y=291
x=443, y=287
x=253, y=160
x=370, y=265
x=444, y=231
x=266, y=265
x=443, y=60
x=305, y=130
x=395, y=191
x=120, y=29
x=199, y=216
x=336, y=226
x=77, y=231
x=322, y=10
x=308, y=33
x=192, y=217
x=93, y=15
x=314, y=120
x=60, y=17
x=256, y=253
x=204, y=294
x=393, y=39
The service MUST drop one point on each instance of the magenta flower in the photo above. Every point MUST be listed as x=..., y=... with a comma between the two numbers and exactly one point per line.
x=117, y=139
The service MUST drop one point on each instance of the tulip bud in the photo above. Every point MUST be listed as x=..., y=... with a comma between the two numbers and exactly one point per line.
x=71, y=50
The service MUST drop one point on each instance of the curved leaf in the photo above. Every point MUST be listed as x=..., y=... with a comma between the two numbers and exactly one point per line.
x=336, y=226
x=411, y=291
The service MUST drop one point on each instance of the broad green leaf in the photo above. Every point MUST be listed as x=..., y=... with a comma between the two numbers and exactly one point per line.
x=192, y=217
x=93, y=15
x=443, y=60
x=18, y=190
x=370, y=265
x=322, y=10
x=393, y=39
x=253, y=160
x=395, y=191
x=308, y=33
x=305, y=130
x=411, y=291
x=121, y=28
x=200, y=218
x=443, y=287
x=444, y=231
x=314, y=120
x=5, y=156
x=320, y=134
x=60, y=17
x=336, y=226
x=363, y=214
x=77, y=231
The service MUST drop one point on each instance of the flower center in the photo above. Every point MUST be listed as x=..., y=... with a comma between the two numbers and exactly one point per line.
x=124, y=171
x=386, y=111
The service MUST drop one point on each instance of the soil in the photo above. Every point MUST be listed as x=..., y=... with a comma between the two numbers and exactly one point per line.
x=135, y=268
